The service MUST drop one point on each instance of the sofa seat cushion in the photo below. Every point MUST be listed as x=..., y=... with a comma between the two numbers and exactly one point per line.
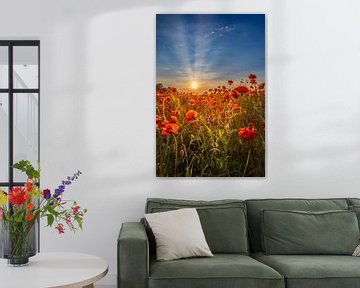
x=222, y=270
x=313, y=271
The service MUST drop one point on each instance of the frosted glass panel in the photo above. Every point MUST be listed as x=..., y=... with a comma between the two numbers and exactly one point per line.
x=26, y=67
x=4, y=67
x=26, y=130
x=4, y=137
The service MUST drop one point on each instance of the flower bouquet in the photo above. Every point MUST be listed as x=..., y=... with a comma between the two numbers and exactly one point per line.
x=21, y=208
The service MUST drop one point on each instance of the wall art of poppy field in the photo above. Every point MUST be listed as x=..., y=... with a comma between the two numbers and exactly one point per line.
x=210, y=95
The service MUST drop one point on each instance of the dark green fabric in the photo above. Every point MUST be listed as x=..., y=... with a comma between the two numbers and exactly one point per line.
x=297, y=232
x=353, y=201
x=133, y=256
x=254, y=206
x=223, y=221
x=315, y=271
x=356, y=209
x=222, y=270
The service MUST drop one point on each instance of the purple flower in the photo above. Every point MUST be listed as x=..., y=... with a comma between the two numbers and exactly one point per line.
x=68, y=181
x=46, y=194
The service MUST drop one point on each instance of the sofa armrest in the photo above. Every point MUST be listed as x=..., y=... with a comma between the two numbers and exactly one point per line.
x=133, y=256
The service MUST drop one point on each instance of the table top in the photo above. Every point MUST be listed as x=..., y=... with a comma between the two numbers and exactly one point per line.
x=67, y=270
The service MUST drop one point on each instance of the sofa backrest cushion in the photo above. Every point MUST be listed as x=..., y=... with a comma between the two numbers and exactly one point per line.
x=353, y=202
x=354, y=205
x=223, y=221
x=256, y=205
x=298, y=232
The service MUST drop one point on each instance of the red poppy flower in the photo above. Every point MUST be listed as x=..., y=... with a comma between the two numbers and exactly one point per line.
x=170, y=129
x=192, y=102
x=158, y=119
x=230, y=82
x=241, y=89
x=234, y=94
x=173, y=119
x=29, y=217
x=175, y=113
x=190, y=116
x=17, y=196
x=252, y=76
x=247, y=133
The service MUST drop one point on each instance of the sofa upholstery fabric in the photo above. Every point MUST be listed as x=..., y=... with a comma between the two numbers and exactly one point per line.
x=223, y=221
x=295, y=232
x=133, y=256
x=222, y=270
x=315, y=271
x=254, y=216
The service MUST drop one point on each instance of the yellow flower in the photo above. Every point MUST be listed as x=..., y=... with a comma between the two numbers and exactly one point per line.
x=3, y=198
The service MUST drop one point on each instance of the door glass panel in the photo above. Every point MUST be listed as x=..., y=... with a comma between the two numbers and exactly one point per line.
x=4, y=67
x=4, y=137
x=26, y=130
x=25, y=62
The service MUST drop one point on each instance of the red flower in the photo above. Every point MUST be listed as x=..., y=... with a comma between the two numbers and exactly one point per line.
x=28, y=186
x=175, y=113
x=247, y=133
x=192, y=102
x=27, y=196
x=253, y=81
x=230, y=82
x=75, y=209
x=17, y=196
x=60, y=228
x=190, y=116
x=170, y=129
x=158, y=119
x=29, y=217
x=29, y=206
x=252, y=76
x=241, y=89
x=173, y=119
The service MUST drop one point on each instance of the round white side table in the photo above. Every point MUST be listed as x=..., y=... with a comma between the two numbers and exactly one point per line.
x=50, y=270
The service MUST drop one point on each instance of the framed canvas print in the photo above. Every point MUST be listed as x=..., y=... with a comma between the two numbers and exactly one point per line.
x=210, y=95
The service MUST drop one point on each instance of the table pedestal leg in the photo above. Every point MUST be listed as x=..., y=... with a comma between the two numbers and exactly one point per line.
x=89, y=286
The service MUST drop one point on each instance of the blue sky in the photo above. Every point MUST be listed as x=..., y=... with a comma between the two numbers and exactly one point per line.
x=208, y=48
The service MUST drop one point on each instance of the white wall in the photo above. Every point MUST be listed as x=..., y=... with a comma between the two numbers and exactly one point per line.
x=98, y=105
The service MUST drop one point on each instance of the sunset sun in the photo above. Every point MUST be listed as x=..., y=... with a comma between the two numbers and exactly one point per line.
x=194, y=85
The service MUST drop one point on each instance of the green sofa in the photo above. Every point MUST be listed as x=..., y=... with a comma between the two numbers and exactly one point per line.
x=233, y=230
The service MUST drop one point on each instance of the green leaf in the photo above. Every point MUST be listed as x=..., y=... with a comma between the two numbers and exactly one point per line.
x=50, y=219
x=28, y=168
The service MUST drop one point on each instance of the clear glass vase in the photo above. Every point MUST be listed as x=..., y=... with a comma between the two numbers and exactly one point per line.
x=18, y=242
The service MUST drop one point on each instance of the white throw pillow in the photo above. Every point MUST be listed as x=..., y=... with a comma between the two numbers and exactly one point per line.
x=178, y=234
x=357, y=251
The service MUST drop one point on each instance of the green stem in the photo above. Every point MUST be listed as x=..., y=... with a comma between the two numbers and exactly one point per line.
x=247, y=163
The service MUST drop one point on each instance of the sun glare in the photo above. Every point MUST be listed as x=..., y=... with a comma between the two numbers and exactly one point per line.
x=194, y=85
